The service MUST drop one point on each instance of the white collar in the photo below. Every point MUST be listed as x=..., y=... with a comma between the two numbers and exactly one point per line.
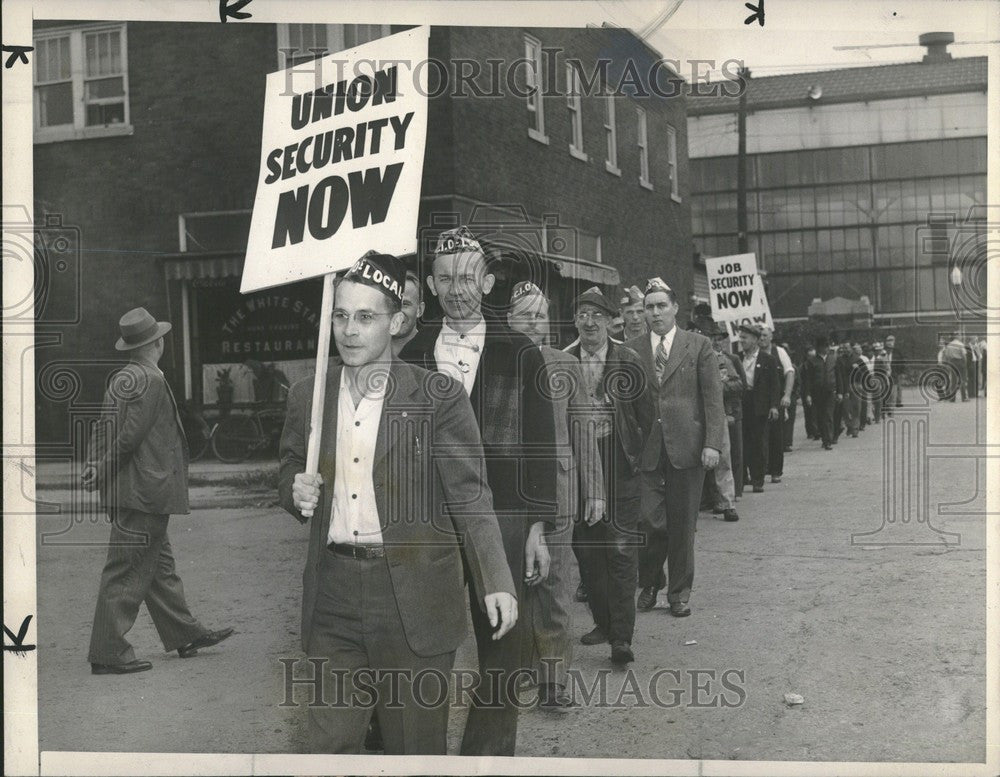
x=375, y=393
x=600, y=354
x=477, y=334
x=668, y=341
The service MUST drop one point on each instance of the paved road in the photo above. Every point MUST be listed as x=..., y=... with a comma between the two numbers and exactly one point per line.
x=885, y=642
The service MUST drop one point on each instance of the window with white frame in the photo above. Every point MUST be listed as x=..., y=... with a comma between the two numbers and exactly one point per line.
x=675, y=190
x=80, y=83
x=299, y=43
x=611, y=133
x=533, y=55
x=643, y=138
x=574, y=102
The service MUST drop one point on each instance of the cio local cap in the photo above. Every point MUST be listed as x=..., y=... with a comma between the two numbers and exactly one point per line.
x=655, y=284
x=632, y=296
x=524, y=289
x=751, y=329
x=384, y=272
x=454, y=241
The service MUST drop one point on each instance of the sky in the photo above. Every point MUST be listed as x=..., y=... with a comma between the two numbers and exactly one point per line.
x=803, y=35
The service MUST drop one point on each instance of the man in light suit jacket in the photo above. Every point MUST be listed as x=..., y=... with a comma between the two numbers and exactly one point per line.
x=399, y=497
x=504, y=375
x=138, y=460
x=545, y=609
x=682, y=418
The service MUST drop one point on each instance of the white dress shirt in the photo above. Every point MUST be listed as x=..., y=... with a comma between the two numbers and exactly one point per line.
x=668, y=343
x=354, y=518
x=750, y=365
x=784, y=359
x=458, y=354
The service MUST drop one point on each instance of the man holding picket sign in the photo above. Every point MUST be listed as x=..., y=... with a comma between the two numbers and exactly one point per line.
x=399, y=491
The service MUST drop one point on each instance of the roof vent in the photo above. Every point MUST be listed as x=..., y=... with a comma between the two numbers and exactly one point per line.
x=937, y=45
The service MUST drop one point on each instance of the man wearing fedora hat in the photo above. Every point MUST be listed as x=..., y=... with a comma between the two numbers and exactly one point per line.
x=138, y=460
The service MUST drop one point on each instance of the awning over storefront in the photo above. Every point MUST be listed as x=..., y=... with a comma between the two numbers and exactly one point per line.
x=191, y=266
x=585, y=271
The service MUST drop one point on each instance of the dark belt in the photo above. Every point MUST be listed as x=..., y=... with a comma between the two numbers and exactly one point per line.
x=357, y=551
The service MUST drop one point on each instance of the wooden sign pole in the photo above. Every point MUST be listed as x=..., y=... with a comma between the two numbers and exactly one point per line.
x=319, y=387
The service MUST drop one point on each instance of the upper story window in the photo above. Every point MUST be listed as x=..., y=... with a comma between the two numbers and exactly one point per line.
x=80, y=83
x=611, y=133
x=536, y=112
x=299, y=43
x=643, y=140
x=574, y=102
x=675, y=189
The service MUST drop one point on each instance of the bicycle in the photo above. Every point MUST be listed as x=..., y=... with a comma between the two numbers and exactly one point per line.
x=196, y=429
x=240, y=435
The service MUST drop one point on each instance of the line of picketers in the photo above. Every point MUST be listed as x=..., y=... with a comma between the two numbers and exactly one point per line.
x=466, y=449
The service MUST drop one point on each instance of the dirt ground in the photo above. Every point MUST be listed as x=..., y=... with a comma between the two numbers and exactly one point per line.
x=886, y=643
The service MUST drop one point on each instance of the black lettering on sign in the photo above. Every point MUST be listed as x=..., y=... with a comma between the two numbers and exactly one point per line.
x=17, y=640
x=369, y=195
x=16, y=53
x=227, y=11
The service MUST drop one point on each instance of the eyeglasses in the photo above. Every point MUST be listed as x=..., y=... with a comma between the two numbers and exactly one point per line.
x=361, y=318
x=597, y=317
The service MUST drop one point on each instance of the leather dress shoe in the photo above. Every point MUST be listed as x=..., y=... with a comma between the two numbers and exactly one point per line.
x=594, y=637
x=731, y=516
x=758, y=489
x=646, y=600
x=775, y=478
x=621, y=653
x=129, y=668
x=205, y=640
x=679, y=609
x=553, y=698
x=581, y=592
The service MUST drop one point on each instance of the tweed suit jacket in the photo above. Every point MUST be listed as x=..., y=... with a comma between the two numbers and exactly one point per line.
x=138, y=445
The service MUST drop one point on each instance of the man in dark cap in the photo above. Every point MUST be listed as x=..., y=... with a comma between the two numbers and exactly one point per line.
x=579, y=483
x=138, y=460
x=607, y=547
x=823, y=387
x=720, y=490
x=682, y=418
x=399, y=495
x=760, y=402
x=504, y=374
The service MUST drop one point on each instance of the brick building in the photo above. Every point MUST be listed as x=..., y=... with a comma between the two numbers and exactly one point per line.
x=147, y=140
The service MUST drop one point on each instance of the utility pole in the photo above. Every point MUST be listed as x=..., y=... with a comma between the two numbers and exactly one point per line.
x=741, y=164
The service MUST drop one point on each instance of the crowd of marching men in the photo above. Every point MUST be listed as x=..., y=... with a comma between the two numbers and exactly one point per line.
x=465, y=457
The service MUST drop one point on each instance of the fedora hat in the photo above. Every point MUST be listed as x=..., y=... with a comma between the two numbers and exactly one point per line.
x=138, y=328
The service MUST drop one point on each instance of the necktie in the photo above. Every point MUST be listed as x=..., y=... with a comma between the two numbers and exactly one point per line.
x=661, y=358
